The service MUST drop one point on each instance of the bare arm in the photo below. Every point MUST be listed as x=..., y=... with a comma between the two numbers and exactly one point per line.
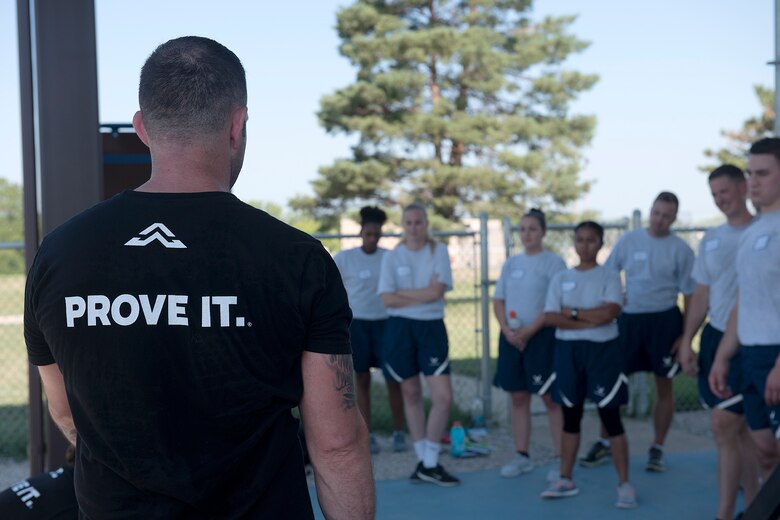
x=727, y=348
x=337, y=437
x=564, y=321
x=54, y=386
x=596, y=316
x=695, y=312
x=408, y=297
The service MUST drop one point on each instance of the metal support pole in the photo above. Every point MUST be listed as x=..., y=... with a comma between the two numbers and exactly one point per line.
x=640, y=404
x=776, y=64
x=485, y=303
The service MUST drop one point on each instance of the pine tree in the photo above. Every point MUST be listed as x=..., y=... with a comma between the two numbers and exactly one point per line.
x=461, y=105
x=753, y=129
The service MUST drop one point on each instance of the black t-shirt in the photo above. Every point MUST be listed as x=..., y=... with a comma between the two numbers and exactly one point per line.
x=48, y=496
x=178, y=322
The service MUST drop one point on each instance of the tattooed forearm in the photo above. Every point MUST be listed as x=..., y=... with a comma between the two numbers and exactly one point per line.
x=344, y=381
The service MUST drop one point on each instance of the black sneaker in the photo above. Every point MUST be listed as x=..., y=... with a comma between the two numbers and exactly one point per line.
x=415, y=477
x=597, y=455
x=437, y=475
x=655, y=460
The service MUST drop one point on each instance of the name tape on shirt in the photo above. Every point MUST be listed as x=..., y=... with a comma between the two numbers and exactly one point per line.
x=711, y=245
x=128, y=309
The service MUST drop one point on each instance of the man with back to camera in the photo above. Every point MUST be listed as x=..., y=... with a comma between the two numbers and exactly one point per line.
x=716, y=287
x=657, y=266
x=175, y=327
x=753, y=328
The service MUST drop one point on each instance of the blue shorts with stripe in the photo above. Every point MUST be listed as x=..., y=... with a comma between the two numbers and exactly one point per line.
x=757, y=362
x=708, y=346
x=415, y=346
x=647, y=339
x=589, y=369
x=368, y=339
x=530, y=370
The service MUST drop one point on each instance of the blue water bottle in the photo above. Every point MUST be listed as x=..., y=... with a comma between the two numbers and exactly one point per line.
x=457, y=439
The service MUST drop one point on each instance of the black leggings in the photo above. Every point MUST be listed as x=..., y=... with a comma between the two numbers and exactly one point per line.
x=610, y=418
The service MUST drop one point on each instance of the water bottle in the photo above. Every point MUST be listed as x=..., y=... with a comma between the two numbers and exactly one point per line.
x=477, y=414
x=514, y=322
x=457, y=439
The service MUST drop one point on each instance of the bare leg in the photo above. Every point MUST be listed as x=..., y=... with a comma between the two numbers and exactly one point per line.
x=619, y=445
x=570, y=444
x=767, y=451
x=411, y=390
x=555, y=418
x=364, y=396
x=521, y=420
x=441, y=402
x=396, y=404
x=663, y=411
x=726, y=427
x=749, y=465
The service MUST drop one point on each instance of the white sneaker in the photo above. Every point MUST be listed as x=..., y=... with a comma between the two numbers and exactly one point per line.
x=517, y=466
x=626, y=496
x=554, y=473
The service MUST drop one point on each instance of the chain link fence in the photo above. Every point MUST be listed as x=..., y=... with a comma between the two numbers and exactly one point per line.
x=13, y=355
x=473, y=346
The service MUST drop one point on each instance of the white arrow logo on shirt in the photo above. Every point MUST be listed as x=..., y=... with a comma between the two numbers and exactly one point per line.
x=159, y=232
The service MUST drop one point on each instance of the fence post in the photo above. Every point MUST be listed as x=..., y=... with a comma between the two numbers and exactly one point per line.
x=641, y=402
x=487, y=405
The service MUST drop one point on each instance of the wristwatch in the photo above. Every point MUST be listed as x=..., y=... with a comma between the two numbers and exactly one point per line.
x=574, y=313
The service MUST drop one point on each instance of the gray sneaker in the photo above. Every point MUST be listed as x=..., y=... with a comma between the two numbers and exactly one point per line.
x=373, y=445
x=655, y=460
x=399, y=442
x=598, y=455
x=626, y=496
x=517, y=466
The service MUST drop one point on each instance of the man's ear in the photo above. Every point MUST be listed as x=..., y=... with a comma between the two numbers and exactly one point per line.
x=140, y=129
x=238, y=121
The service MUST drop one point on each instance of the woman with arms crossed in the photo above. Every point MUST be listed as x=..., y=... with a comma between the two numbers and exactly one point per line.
x=412, y=283
x=582, y=303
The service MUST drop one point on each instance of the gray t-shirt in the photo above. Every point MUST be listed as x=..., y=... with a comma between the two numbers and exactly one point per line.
x=758, y=278
x=656, y=270
x=405, y=269
x=585, y=290
x=360, y=272
x=715, y=267
x=524, y=281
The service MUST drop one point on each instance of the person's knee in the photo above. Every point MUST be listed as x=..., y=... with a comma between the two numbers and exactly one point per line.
x=412, y=393
x=572, y=418
x=663, y=387
x=441, y=397
x=726, y=426
x=521, y=400
x=610, y=418
x=363, y=380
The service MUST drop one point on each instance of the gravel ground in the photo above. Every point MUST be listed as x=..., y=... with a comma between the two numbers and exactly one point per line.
x=690, y=432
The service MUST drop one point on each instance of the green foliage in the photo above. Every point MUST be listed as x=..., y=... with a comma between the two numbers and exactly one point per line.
x=299, y=220
x=463, y=106
x=11, y=227
x=753, y=129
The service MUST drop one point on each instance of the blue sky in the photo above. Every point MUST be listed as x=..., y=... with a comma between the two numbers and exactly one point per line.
x=673, y=74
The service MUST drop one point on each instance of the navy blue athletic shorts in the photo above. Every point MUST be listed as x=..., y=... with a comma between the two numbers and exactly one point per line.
x=367, y=338
x=589, y=369
x=415, y=346
x=647, y=339
x=757, y=362
x=708, y=346
x=530, y=370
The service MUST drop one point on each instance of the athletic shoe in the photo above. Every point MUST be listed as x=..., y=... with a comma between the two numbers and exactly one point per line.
x=517, y=466
x=655, y=460
x=563, y=487
x=554, y=473
x=399, y=442
x=597, y=455
x=437, y=475
x=373, y=445
x=626, y=496
x=415, y=477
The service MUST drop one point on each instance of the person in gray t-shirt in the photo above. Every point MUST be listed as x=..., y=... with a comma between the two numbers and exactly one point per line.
x=359, y=269
x=657, y=266
x=753, y=328
x=716, y=287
